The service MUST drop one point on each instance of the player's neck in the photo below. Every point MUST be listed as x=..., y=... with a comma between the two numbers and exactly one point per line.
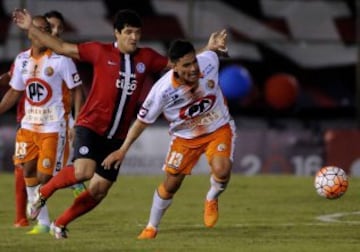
x=37, y=52
x=180, y=81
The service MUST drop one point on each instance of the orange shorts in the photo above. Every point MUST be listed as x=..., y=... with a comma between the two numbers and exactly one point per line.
x=185, y=153
x=51, y=150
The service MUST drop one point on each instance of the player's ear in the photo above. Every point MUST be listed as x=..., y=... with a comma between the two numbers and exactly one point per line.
x=171, y=64
x=116, y=32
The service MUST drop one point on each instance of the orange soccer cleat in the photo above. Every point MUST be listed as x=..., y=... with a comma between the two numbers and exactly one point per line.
x=211, y=213
x=148, y=233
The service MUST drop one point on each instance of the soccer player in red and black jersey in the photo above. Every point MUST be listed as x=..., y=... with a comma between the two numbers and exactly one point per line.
x=119, y=73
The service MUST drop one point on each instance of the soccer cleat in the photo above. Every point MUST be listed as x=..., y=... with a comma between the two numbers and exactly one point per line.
x=33, y=208
x=21, y=223
x=211, y=213
x=77, y=189
x=39, y=229
x=58, y=232
x=148, y=233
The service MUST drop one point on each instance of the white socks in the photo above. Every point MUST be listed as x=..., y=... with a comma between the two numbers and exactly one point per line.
x=158, y=209
x=216, y=189
x=43, y=218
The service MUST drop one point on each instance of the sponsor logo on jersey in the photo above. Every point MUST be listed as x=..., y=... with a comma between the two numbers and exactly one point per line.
x=148, y=103
x=176, y=99
x=23, y=66
x=76, y=78
x=208, y=69
x=198, y=107
x=203, y=120
x=38, y=91
x=127, y=86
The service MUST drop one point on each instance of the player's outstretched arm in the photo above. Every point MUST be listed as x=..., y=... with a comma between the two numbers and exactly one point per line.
x=10, y=99
x=78, y=100
x=118, y=156
x=5, y=79
x=23, y=19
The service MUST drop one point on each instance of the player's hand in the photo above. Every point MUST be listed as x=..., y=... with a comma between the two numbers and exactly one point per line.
x=22, y=18
x=115, y=157
x=218, y=41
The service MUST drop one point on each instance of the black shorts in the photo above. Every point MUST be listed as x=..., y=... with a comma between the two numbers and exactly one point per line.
x=88, y=144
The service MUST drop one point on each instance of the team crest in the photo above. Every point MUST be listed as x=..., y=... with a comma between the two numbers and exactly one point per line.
x=140, y=67
x=84, y=150
x=49, y=71
x=211, y=84
x=143, y=112
x=221, y=147
x=46, y=163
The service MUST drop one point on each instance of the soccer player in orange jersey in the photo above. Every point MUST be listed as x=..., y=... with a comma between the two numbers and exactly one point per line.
x=190, y=98
x=57, y=23
x=42, y=144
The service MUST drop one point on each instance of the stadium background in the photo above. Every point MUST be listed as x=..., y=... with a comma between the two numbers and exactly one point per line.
x=291, y=78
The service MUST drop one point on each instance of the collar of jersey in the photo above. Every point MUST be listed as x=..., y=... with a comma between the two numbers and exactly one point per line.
x=48, y=52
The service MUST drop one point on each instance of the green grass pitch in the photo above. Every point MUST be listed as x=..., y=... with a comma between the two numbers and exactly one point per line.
x=259, y=213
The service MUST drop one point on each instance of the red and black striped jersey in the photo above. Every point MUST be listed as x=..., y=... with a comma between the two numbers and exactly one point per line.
x=118, y=80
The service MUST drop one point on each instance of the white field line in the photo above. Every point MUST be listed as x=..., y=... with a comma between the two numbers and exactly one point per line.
x=335, y=217
x=325, y=220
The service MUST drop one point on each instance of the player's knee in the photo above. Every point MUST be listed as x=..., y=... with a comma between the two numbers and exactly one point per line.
x=83, y=174
x=98, y=193
x=43, y=178
x=99, y=187
x=221, y=170
x=221, y=179
x=84, y=169
x=164, y=193
x=99, y=196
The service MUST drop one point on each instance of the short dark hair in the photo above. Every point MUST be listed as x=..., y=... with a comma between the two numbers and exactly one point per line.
x=55, y=14
x=127, y=17
x=179, y=48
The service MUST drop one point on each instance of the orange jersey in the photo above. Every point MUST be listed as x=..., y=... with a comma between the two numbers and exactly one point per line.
x=190, y=113
x=47, y=82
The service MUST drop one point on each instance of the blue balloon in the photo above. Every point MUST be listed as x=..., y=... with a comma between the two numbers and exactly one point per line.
x=235, y=82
